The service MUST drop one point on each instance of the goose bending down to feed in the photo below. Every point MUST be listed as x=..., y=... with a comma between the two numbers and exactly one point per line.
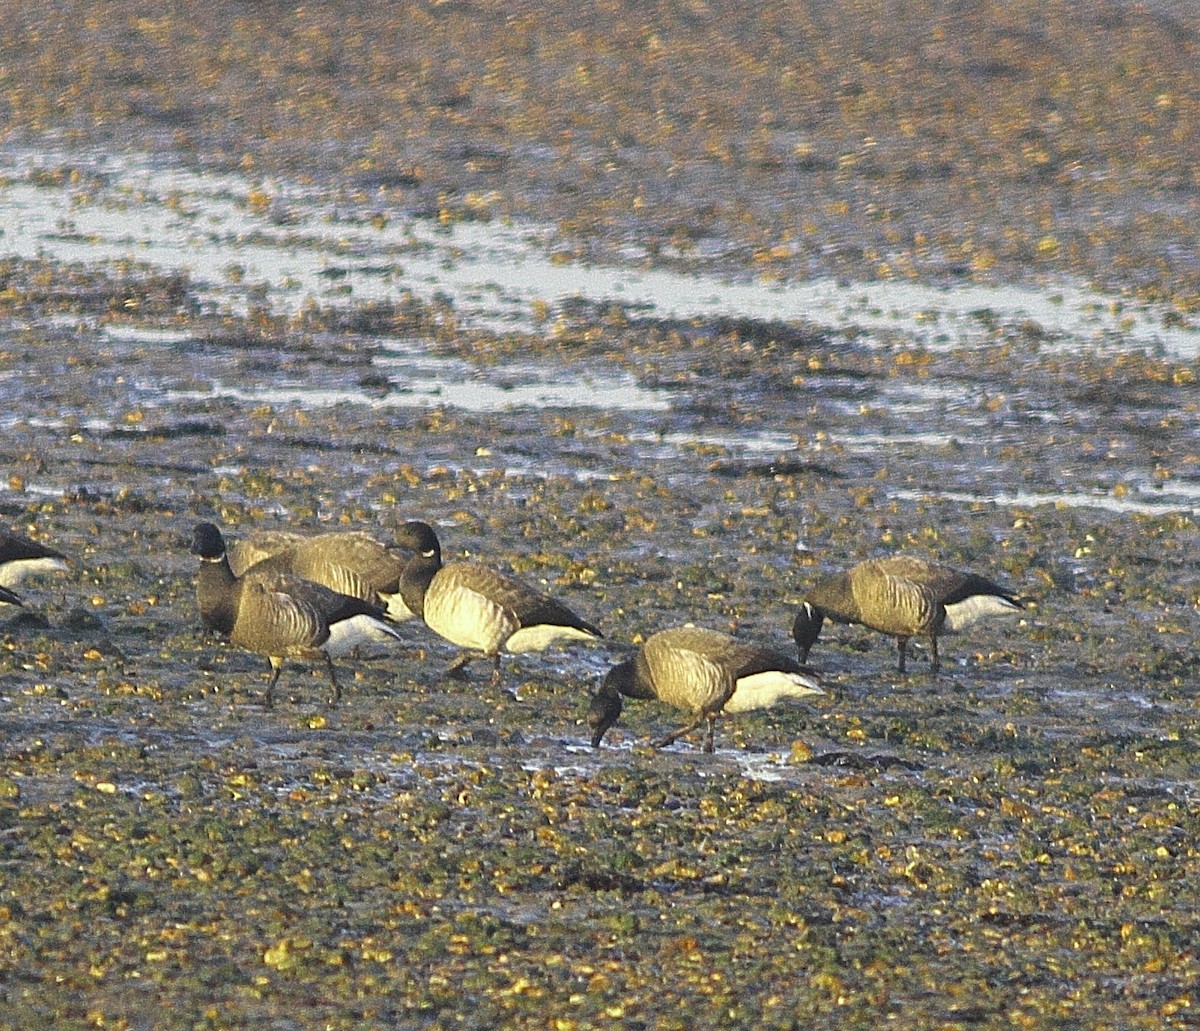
x=479, y=609
x=703, y=672
x=353, y=563
x=21, y=557
x=248, y=551
x=279, y=615
x=902, y=597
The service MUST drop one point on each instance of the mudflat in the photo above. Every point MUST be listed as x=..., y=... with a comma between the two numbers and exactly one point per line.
x=1011, y=842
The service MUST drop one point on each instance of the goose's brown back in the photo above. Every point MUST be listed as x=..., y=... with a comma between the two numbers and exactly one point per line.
x=888, y=595
x=359, y=557
x=247, y=552
x=697, y=670
x=477, y=607
x=689, y=667
x=283, y=615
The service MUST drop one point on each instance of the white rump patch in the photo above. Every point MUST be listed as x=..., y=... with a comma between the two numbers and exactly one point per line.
x=348, y=634
x=12, y=573
x=979, y=606
x=762, y=690
x=396, y=609
x=539, y=638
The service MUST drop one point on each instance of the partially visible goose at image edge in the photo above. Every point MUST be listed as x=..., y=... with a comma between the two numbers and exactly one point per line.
x=903, y=597
x=21, y=557
x=278, y=615
x=705, y=673
x=480, y=609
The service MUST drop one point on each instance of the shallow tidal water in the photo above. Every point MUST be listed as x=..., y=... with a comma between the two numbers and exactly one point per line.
x=1009, y=842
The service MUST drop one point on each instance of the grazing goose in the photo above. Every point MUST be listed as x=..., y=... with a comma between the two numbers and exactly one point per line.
x=903, y=597
x=278, y=615
x=245, y=552
x=352, y=563
x=703, y=672
x=479, y=609
x=20, y=557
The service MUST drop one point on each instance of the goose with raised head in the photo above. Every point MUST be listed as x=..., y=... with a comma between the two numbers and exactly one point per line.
x=350, y=562
x=479, y=609
x=705, y=673
x=279, y=615
x=903, y=597
x=21, y=557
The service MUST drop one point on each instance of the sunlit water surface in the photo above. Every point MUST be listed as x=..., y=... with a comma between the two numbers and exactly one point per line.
x=242, y=240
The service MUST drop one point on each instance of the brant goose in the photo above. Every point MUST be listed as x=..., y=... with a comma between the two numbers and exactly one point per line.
x=279, y=615
x=480, y=609
x=703, y=672
x=352, y=562
x=20, y=557
x=903, y=597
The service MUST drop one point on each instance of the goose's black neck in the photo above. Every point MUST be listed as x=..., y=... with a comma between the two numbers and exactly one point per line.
x=605, y=707
x=418, y=575
x=218, y=591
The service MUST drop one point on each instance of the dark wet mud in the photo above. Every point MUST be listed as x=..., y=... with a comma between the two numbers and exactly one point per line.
x=1010, y=843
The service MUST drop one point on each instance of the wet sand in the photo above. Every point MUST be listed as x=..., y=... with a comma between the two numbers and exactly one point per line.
x=1010, y=842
